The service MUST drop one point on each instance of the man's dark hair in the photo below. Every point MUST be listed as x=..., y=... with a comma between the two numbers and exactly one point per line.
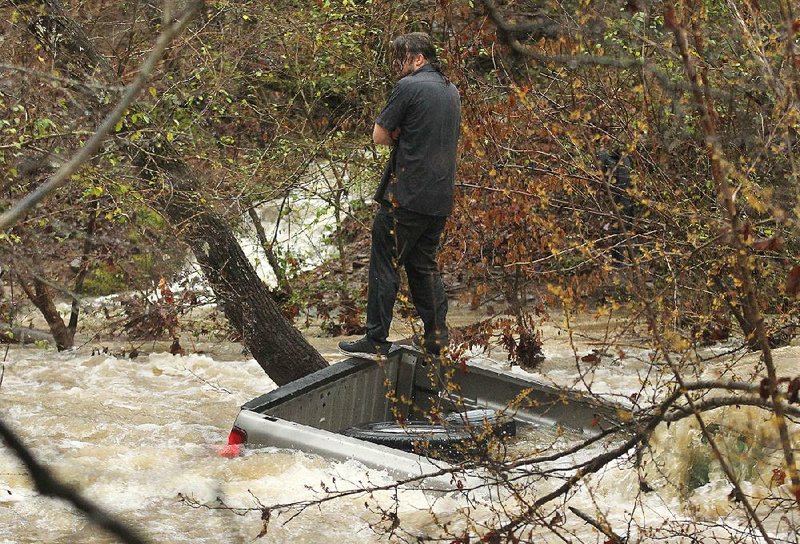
x=415, y=43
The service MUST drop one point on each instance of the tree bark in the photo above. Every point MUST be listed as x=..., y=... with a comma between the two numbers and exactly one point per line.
x=278, y=347
x=42, y=298
x=83, y=267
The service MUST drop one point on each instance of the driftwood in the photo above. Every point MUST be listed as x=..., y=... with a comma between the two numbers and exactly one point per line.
x=22, y=335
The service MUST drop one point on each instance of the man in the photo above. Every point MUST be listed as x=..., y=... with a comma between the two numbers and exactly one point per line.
x=421, y=121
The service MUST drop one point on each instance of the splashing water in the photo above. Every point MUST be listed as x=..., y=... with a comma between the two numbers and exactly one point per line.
x=138, y=435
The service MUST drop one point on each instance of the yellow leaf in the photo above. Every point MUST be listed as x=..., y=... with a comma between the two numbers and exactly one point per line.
x=153, y=92
x=624, y=415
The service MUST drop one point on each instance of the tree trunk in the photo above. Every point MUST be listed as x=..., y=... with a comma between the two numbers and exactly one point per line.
x=83, y=269
x=278, y=347
x=43, y=300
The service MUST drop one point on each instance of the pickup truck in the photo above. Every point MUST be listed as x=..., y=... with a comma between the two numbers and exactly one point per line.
x=352, y=410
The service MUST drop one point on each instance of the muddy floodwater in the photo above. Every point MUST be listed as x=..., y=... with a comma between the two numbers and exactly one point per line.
x=137, y=436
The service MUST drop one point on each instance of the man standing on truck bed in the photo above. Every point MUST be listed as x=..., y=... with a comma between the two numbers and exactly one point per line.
x=421, y=123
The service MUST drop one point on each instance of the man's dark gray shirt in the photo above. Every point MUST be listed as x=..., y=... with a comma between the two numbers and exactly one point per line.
x=427, y=109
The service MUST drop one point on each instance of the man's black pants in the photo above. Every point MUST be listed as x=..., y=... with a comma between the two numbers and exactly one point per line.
x=404, y=238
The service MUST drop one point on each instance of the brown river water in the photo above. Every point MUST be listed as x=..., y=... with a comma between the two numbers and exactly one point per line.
x=137, y=435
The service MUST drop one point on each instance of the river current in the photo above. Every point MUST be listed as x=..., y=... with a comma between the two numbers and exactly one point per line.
x=138, y=435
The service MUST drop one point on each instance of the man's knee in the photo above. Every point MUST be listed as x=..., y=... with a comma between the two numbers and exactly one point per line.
x=422, y=272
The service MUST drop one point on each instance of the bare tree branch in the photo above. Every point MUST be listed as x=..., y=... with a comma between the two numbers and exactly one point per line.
x=543, y=27
x=62, y=79
x=10, y=217
x=49, y=486
x=511, y=37
x=600, y=526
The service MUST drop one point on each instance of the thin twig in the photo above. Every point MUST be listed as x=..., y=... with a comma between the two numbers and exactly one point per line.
x=602, y=527
x=49, y=486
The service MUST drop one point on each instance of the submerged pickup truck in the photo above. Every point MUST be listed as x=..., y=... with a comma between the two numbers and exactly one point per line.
x=375, y=412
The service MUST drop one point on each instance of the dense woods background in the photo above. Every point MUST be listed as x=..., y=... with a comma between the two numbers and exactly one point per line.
x=254, y=99
x=630, y=158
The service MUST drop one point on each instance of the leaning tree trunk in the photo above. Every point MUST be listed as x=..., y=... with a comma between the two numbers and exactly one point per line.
x=42, y=298
x=278, y=347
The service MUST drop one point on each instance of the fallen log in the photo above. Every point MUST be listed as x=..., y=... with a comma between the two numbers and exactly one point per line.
x=22, y=335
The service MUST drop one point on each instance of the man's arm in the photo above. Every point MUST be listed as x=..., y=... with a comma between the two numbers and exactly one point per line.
x=381, y=136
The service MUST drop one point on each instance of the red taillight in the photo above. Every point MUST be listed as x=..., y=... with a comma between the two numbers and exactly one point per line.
x=237, y=436
x=235, y=440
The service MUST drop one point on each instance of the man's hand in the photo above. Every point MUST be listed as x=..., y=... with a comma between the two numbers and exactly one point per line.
x=381, y=136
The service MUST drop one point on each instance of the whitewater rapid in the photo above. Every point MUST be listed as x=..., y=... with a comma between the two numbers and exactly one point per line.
x=136, y=435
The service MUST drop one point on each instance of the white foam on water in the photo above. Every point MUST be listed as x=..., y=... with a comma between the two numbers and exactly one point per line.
x=136, y=435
